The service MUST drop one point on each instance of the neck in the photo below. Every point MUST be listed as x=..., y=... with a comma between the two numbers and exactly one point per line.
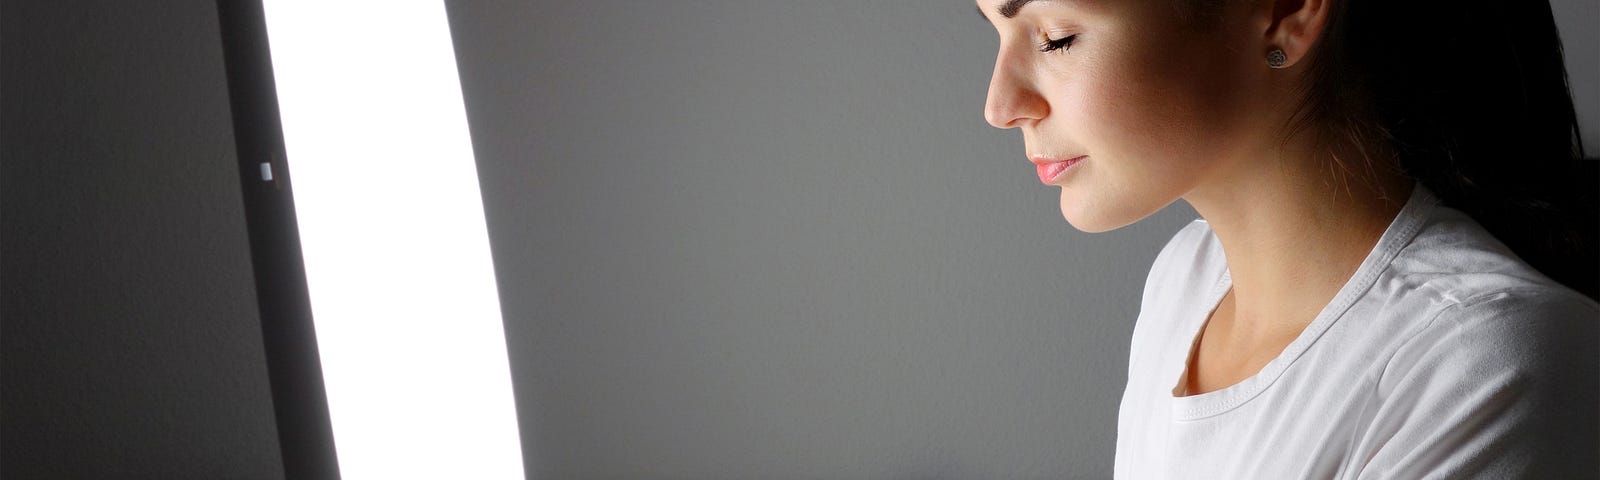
x=1293, y=236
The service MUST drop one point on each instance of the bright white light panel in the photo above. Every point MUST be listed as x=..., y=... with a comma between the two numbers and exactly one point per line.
x=397, y=253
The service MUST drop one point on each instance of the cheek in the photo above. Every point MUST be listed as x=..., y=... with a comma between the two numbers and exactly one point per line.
x=1135, y=130
x=1159, y=118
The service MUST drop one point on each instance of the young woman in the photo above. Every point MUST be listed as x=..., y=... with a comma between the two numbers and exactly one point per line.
x=1394, y=271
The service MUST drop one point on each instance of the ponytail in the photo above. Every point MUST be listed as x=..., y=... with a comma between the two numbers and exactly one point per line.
x=1470, y=98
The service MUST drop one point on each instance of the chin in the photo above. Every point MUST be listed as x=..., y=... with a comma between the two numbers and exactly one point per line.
x=1088, y=227
x=1087, y=217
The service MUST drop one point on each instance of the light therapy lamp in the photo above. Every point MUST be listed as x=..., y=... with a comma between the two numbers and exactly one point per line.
x=379, y=309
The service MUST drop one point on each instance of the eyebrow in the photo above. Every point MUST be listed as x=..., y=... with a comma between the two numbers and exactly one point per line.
x=1008, y=9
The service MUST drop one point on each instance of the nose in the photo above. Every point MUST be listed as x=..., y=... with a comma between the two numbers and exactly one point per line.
x=1013, y=98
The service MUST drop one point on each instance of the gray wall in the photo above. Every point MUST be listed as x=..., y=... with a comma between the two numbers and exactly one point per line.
x=1580, y=42
x=777, y=239
x=733, y=239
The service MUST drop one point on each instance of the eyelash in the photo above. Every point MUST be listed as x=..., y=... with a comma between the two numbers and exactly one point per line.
x=1053, y=45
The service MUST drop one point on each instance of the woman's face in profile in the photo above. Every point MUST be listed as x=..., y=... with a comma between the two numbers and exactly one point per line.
x=1157, y=106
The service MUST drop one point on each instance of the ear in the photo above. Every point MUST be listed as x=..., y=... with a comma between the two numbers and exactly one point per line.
x=1293, y=26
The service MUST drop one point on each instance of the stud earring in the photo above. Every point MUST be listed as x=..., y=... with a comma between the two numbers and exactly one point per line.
x=1276, y=58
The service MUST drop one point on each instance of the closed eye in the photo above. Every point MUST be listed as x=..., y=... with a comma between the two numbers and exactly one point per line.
x=1061, y=44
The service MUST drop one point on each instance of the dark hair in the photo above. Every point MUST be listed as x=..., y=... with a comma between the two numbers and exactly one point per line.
x=1468, y=97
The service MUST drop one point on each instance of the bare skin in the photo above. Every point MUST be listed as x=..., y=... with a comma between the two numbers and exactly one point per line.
x=1167, y=112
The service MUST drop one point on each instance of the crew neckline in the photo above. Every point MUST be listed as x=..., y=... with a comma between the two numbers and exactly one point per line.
x=1400, y=231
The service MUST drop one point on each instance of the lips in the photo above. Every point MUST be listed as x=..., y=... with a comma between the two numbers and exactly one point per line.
x=1051, y=169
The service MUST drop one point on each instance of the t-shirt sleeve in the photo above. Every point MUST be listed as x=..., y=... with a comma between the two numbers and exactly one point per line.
x=1503, y=385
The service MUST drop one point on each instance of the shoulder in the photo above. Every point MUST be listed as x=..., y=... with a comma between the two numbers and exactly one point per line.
x=1526, y=337
x=1184, y=270
x=1499, y=385
x=1487, y=312
x=1180, y=274
x=1456, y=259
x=1192, y=236
x=1186, y=252
x=1454, y=273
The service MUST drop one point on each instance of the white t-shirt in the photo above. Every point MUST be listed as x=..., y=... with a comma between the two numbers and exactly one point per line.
x=1444, y=356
